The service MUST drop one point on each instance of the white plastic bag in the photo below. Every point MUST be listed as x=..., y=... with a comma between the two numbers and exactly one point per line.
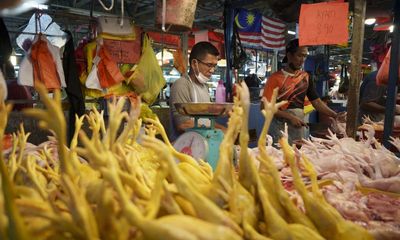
x=3, y=87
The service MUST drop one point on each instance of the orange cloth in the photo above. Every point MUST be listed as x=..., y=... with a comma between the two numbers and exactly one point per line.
x=307, y=101
x=44, y=66
x=107, y=70
x=179, y=61
x=288, y=87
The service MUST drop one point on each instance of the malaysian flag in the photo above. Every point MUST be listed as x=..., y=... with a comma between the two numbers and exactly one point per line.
x=259, y=32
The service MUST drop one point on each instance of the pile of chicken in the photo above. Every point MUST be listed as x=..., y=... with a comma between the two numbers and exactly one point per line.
x=366, y=186
x=111, y=187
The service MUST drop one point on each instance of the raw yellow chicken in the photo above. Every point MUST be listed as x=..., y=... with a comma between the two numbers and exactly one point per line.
x=109, y=185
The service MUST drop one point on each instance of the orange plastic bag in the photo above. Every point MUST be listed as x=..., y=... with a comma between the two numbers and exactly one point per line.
x=179, y=61
x=382, y=77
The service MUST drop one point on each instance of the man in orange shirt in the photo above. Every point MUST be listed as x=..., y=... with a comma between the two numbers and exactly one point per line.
x=294, y=85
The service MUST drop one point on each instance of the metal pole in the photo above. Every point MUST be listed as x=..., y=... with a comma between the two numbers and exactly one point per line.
x=356, y=59
x=266, y=68
x=327, y=54
x=185, y=47
x=228, y=33
x=256, y=61
x=393, y=76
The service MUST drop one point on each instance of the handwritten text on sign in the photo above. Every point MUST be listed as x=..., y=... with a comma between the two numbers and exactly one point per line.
x=123, y=51
x=323, y=23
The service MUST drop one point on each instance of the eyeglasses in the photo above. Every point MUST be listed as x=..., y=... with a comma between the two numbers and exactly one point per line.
x=209, y=65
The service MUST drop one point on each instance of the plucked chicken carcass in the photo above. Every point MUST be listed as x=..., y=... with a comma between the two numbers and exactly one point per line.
x=328, y=221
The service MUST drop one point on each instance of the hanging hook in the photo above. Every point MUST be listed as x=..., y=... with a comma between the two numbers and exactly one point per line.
x=122, y=13
x=163, y=15
x=104, y=6
x=38, y=25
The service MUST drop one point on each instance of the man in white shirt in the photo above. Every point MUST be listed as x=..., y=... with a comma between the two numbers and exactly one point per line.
x=192, y=87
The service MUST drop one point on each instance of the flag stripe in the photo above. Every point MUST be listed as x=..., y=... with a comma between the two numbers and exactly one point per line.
x=274, y=39
x=266, y=31
x=265, y=41
x=271, y=30
x=271, y=36
x=278, y=47
x=274, y=22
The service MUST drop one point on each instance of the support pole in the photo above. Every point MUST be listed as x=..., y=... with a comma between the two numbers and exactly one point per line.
x=185, y=47
x=256, y=61
x=356, y=60
x=228, y=33
x=393, y=76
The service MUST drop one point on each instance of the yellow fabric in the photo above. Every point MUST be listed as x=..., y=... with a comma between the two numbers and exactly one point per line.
x=116, y=90
x=125, y=68
x=89, y=50
x=119, y=89
x=308, y=109
x=115, y=37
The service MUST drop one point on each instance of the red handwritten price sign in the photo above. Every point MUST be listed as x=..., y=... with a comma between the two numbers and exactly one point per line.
x=323, y=23
x=123, y=51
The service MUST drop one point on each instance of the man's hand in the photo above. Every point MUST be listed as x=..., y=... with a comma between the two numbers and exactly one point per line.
x=297, y=122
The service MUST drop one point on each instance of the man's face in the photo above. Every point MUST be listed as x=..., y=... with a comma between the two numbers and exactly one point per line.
x=206, y=66
x=296, y=60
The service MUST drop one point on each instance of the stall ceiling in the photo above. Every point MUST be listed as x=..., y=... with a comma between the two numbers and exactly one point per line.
x=209, y=15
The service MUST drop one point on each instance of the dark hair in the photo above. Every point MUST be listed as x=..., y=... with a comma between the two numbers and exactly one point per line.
x=291, y=47
x=201, y=49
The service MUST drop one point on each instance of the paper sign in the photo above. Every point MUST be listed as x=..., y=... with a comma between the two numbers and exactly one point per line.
x=123, y=51
x=323, y=23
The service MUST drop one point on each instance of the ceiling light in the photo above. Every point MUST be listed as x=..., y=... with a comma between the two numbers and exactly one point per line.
x=370, y=21
x=13, y=60
x=291, y=32
x=164, y=55
x=34, y=4
x=23, y=6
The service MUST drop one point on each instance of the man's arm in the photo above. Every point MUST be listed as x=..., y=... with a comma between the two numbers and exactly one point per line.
x=320, y=106
x=377, y=108
x=372, y=107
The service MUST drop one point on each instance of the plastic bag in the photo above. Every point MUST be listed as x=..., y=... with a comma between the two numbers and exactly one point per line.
x=112, y=26
x=344, y=80
x=179, y=61
x=3, y=87
x=382, y=77
x=148, y=79
x=239, y=54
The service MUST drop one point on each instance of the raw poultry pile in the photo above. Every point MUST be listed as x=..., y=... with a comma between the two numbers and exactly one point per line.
x=367, y=180
x=345, y=159
x=111, y=187
x=361, y=178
